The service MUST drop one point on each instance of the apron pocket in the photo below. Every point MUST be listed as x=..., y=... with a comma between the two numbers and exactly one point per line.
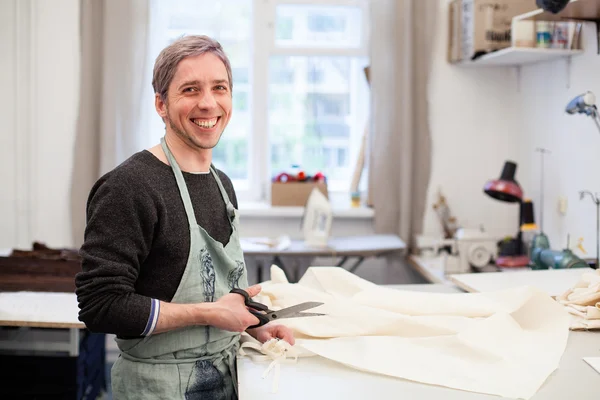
x=206, y=382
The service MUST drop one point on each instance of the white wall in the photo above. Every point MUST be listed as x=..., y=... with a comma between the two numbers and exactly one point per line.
x=573, y=140
x=475, y=126
x=481, y=117
x=40, y=69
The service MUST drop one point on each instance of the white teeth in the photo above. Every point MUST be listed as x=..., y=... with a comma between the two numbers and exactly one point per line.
x=205, y=123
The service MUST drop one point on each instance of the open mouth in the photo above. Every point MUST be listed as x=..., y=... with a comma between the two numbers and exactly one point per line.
x=206, y=123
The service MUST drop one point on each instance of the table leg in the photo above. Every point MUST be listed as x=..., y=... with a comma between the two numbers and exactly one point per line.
x=73, y=342
x=259, y=271
x=296, y=271
x=342, y=261
x=277, y=261
x=356, y=264
x=289, y=274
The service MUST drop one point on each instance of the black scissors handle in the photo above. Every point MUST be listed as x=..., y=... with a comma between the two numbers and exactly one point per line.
x=253, y=305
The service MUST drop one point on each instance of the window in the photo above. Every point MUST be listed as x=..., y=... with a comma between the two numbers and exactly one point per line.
x=300, y=95
x=326, y=23
x=328, y=104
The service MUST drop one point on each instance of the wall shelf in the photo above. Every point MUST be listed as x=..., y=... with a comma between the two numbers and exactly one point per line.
x=576, y=10
x=516, y=56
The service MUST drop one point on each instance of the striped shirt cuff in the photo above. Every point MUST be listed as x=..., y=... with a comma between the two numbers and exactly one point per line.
x=153, y=318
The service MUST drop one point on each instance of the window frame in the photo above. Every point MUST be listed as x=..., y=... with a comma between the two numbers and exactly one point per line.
x=256, y=188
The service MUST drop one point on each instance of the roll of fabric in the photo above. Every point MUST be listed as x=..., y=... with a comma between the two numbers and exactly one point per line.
x=582, y=301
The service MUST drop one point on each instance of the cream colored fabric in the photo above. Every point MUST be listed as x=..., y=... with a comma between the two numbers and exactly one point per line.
x=276, y=351
x=582, y=301
x=505, y=343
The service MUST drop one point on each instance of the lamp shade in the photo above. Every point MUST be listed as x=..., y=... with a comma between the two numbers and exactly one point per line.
x=553, y=6
x=506, y=188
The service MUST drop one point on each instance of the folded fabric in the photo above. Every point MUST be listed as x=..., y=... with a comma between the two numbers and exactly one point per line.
x=582, y=301
x=503, y=343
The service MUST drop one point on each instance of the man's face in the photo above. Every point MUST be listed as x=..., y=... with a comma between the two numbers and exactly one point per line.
x=198, y=106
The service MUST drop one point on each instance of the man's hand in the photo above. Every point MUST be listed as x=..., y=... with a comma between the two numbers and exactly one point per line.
x=231, y=314
x=272, y=331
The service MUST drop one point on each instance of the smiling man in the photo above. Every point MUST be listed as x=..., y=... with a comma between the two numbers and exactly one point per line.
x=162, y=251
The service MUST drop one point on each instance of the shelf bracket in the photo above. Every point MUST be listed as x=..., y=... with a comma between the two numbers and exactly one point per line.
x=597, y=23
x=569, y=63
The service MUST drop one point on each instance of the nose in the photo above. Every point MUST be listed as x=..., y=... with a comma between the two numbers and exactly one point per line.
x=207, y=100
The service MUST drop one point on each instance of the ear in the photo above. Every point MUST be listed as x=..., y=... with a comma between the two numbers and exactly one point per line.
x=161, y=106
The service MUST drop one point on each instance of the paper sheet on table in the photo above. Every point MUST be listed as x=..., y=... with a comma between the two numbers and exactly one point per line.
x=594, y=362
x=504, y=343
x=582, y=301
x=264, y=243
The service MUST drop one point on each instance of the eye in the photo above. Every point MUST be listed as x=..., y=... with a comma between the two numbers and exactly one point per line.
x=221, y=87
x=189, y=89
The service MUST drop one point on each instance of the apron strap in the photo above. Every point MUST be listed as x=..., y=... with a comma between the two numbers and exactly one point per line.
x=185, y=194
x=228, y=203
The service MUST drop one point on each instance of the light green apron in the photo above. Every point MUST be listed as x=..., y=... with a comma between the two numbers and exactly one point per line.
x=196, y=362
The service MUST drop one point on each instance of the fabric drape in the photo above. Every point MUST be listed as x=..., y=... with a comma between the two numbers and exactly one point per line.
x=113, y=94
x=402, y=39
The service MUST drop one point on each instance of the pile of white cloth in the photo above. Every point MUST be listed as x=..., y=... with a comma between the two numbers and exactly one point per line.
x=504, y=343
x=583, y=302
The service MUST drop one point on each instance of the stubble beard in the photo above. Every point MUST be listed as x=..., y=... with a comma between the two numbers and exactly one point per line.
x=190, y=140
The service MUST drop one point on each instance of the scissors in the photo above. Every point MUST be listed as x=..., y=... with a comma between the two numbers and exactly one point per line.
x=267, y=315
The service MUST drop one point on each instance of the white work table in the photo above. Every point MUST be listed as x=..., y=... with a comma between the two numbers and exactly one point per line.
x=31, y=310
x=319, y=378
x=315, y=377
x=41, y=331
x=552, y=281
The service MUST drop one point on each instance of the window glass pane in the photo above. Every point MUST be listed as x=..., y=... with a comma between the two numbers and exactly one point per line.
x=341, y=157
x=285, y=28
x=240, y=101
x=229, y=22
x=318, y=124
x=301, y=25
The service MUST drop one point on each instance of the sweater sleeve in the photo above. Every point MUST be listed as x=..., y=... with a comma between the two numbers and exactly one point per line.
x=121, y=219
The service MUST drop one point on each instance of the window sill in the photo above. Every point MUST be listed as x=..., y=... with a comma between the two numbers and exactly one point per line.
x=266, y=210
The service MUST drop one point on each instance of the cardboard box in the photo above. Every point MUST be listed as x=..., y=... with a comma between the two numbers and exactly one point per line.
x=294, y=193
x=486, y=24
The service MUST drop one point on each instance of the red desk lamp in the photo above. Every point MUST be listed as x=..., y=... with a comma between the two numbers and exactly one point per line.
x=507, y=189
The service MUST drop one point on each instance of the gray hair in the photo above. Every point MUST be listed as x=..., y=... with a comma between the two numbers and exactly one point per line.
x=186, y=46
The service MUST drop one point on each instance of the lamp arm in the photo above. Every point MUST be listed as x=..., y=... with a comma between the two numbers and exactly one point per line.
x=596, y=118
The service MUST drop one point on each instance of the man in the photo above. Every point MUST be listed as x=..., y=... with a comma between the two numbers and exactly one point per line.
x=162, y=250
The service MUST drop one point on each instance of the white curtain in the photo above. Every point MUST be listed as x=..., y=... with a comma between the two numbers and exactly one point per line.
x=115, y=94
x=400, y=152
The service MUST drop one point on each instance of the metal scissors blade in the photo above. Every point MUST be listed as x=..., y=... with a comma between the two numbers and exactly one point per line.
x=295, y=311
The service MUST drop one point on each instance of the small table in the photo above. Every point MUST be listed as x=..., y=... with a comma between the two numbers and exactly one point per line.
x=40, y=310
x=42, y=328
x=357, y=247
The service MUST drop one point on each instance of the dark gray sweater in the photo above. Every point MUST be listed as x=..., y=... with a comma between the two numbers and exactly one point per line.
x=137, y=241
